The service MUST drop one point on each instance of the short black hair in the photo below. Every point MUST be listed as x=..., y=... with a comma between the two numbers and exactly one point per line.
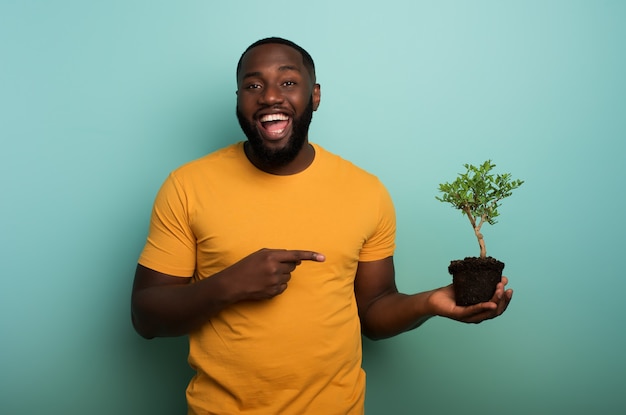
x=306, y=58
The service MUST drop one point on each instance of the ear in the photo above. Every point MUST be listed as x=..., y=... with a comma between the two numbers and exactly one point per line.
x=317, y=95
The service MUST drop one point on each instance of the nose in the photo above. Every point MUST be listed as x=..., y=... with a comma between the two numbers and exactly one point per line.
x=271, y=95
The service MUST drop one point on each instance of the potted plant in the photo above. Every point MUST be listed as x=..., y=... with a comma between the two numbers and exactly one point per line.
x=477, y=193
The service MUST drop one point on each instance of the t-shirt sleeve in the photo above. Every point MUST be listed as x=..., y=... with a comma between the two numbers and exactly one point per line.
x=382, y=242
x=171, y=245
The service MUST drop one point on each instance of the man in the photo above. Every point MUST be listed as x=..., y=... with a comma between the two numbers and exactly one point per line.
x=274, y=256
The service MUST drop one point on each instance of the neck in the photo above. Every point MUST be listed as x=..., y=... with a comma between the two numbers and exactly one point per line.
x=303, y=160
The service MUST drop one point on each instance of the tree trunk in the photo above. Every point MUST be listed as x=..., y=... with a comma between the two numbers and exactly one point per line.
x=481, y=242
x=479, y=236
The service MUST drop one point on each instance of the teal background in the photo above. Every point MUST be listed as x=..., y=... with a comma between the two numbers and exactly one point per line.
x=100, y=100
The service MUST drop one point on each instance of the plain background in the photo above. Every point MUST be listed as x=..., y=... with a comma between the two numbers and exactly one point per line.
x=99, y=100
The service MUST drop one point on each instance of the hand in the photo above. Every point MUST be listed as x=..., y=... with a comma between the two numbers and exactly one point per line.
x=444, y=303
x=264, y=274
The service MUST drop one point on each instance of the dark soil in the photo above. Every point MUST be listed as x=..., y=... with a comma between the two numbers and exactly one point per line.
x=475, y=279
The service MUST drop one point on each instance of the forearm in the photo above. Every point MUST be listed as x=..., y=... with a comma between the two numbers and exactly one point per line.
x=175, y=310
x=395, y=313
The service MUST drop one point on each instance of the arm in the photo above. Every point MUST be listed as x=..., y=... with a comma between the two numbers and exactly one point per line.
x=166, y=305
x=384, y=312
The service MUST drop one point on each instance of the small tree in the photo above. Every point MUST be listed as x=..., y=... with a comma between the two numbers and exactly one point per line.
x=477, y=193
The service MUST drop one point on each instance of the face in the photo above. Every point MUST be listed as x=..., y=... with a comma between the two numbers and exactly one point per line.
x=276, y=98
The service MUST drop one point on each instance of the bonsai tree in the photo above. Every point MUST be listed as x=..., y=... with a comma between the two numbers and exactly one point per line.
x=477, y=193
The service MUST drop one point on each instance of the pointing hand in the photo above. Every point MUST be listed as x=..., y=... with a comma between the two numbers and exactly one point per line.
x=264, y=274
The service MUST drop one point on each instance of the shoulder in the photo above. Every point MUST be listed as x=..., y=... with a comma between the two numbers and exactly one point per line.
x=342, y=169
x=231, y=154
x=222, y=163
x=335, y=161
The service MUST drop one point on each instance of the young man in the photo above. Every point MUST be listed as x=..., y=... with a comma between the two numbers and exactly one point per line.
x=274, y=256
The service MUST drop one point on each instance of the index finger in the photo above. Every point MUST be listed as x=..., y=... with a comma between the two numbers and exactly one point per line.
x=296, y=255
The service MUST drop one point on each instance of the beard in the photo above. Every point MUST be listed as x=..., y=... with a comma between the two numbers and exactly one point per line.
x=274, y=158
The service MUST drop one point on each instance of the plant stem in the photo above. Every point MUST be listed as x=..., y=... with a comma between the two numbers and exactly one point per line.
x=481, y=240
x=479, y=235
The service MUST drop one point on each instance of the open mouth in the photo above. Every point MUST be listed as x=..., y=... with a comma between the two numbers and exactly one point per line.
x=274, y=125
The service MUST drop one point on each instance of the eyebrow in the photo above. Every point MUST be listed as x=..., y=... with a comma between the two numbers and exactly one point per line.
x=282, y=68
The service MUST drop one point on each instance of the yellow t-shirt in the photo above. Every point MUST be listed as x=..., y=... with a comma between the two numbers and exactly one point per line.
x=300, y=352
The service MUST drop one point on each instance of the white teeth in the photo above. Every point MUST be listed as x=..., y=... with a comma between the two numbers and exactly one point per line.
x=274, y=117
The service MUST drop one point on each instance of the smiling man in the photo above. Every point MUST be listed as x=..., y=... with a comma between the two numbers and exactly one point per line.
x=275, y=103
x=274, y=256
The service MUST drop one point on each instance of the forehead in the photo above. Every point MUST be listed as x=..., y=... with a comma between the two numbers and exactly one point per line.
x=270, y=57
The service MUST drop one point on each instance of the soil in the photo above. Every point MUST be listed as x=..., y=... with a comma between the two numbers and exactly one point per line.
x=475, y=279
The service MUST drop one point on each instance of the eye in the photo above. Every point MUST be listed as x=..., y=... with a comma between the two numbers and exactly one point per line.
x=253, y=86
x=289, y=83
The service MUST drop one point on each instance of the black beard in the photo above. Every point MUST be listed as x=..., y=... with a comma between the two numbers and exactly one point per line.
x=278, y=158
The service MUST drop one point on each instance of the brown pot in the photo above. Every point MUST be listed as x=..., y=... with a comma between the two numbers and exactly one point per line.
x=475, y=279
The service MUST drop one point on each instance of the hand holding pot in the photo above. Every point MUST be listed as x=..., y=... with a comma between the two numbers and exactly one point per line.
x=444, y=303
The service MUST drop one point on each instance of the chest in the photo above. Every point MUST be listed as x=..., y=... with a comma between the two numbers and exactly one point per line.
x=231, y=222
